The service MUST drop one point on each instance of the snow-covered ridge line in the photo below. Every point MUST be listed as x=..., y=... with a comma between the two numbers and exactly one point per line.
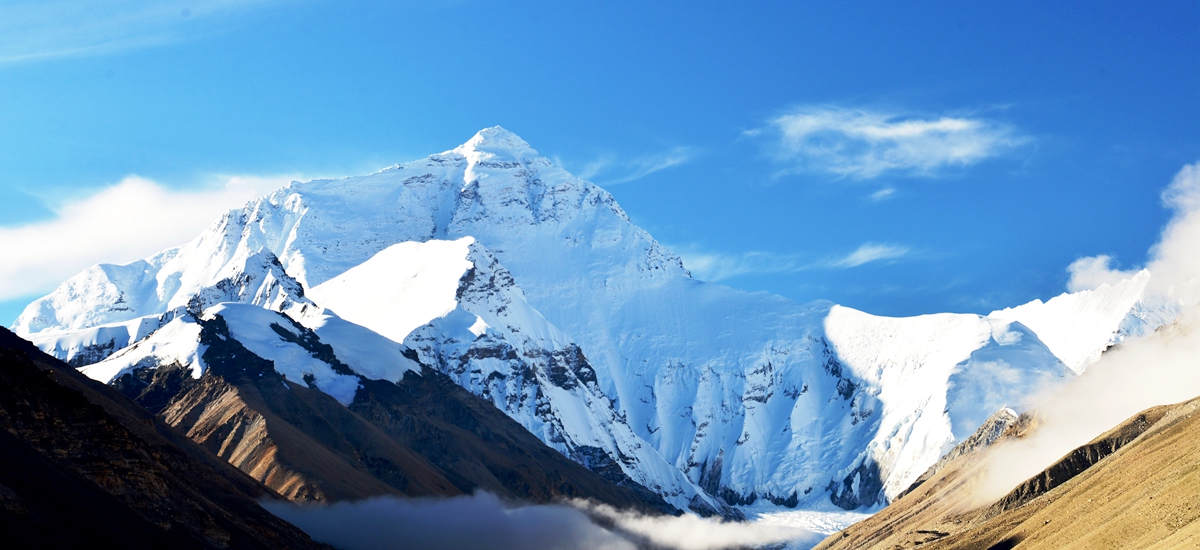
x=1079, y=326
x=533, y=289
x=272, y=336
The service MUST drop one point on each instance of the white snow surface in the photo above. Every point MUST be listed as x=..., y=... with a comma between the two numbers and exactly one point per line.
x=824, y=520
x=937, y=378
x=178, y=342
x=1079, y=326
x=533, y=289
x=88, y=345
x=400, y=288
x=365, y=351
x=478, y=328
x=255, y=328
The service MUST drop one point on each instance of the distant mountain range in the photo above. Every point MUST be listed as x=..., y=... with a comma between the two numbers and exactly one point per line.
x=311, y=337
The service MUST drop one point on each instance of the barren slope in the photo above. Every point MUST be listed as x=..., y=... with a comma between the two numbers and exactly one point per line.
x=421, y=436
x=1136, y=486
x=81, y=466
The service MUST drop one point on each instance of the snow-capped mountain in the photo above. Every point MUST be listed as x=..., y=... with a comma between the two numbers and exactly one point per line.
x=533, y=289
x=480, y=330
x=1078, y=327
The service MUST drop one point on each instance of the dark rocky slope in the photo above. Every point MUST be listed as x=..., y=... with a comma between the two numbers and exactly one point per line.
x=83, y=467
x=425, y=436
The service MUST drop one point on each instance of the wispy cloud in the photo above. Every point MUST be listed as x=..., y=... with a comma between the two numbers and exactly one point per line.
x=870, y=252
x=864, y=144
x=883, y=194
x=130, y=220
x=44, y=29
x=608, y=170
x=716, y=266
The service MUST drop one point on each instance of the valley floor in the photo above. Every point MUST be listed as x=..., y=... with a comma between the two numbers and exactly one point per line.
x=823, y=521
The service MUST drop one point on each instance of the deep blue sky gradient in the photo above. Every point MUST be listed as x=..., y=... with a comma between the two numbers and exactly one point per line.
x=1106, y=95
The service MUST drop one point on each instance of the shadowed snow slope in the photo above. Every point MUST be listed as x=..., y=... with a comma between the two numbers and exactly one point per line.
x=533, y=289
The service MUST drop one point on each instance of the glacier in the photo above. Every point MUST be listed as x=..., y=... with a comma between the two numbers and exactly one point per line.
x=533, y=289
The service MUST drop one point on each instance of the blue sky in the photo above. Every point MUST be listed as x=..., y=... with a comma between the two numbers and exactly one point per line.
x=895, y=158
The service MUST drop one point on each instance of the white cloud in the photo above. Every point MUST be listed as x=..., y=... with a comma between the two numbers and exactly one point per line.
x=865, y=144
x=1088, y=273
x=882, y=194
x=1174, y=260
x=870, y=252
x=130, y=220
x=483, y=521
x=611, y=171
x=41, y=29
x=591, y=169
x=649, y=164
x=713, y=266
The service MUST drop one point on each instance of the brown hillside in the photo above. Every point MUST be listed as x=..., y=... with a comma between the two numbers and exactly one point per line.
x=1136, y=486
x=83, y=467
x=424, y=436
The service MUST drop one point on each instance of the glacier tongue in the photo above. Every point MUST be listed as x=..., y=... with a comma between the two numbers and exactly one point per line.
x=533, y=288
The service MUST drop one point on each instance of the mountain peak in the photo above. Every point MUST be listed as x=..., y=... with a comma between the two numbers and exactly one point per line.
x=495, y=142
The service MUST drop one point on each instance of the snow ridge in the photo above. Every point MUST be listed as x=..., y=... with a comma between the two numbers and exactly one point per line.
x=1079, y=326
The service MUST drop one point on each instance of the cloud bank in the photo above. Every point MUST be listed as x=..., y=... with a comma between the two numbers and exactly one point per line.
x=482, y=521
x=1174, y=260
x=130, y=220
x=865, y=144
x=1090, y=272
x=1158, y=369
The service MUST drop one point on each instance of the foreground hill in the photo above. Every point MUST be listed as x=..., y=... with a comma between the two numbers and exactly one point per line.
x=81, y=466
x=270, y=396
x=1134, y=486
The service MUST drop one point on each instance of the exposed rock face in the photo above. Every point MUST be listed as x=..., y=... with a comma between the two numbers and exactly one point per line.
x=482, y=448
x=80, y=466
x=1079, y=460
x=421, y=436
x=992, y=430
